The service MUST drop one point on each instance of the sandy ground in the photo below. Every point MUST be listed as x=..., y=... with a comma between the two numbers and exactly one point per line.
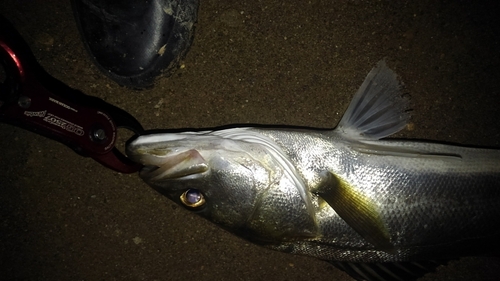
x=64, y=217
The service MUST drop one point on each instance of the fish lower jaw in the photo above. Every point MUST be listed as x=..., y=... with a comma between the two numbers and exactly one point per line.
x=147, y=170
x=175, y=166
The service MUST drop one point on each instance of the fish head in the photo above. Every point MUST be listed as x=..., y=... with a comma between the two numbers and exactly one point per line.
x=234, y=183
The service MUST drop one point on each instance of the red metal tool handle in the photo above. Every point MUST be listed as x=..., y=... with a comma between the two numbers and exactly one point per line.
x=32, y=99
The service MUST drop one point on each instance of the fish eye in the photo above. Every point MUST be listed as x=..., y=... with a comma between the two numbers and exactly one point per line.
x=192, y=198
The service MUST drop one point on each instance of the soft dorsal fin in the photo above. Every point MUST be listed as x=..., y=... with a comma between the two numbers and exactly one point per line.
x=378, y=108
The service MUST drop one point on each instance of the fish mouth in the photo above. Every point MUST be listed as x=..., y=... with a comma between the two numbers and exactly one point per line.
x=160, y=167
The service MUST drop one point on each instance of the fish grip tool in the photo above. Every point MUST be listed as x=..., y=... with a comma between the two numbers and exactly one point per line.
x=32, y=99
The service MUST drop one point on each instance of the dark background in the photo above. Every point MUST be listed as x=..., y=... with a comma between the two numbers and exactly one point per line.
x=64, y=217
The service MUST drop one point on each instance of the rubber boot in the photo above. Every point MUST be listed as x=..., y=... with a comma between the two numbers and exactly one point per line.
x=134, y=41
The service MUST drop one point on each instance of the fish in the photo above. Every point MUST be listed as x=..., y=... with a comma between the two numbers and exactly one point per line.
x=377, y=208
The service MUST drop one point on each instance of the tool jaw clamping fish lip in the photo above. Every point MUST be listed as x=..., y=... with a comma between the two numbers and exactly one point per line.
x=32, y=99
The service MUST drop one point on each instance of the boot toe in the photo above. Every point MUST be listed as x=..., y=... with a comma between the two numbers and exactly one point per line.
x=133, y=42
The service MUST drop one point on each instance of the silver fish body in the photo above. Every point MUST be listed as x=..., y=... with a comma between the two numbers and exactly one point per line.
x=340, y=195
x=437, y=201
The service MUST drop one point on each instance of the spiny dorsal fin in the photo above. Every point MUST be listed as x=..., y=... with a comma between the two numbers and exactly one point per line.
x=356, y=210
x=378, y=108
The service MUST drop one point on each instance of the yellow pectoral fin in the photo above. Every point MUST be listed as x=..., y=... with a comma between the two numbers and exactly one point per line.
x=357, y=210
